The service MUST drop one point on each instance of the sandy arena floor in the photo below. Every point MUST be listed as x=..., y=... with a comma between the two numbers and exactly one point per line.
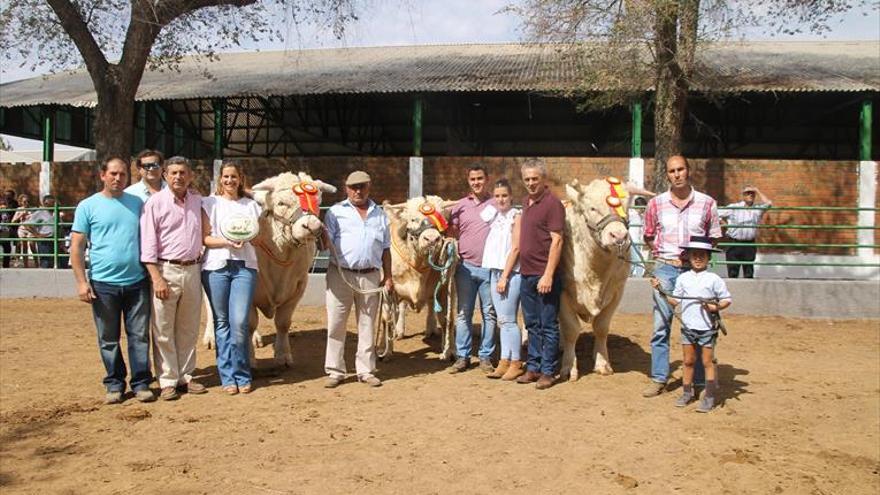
x=801, y=414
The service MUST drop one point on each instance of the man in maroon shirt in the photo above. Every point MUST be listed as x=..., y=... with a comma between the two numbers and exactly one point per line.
x=540, y=247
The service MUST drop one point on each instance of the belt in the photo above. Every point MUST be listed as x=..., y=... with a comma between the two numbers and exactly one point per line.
x=181, y=262
x=677, y=263
x=359, y=270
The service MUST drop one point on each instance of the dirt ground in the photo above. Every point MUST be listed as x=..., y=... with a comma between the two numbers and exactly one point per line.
x=800, y=414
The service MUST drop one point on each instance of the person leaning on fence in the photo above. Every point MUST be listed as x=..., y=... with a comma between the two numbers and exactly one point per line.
x=21, y=215
x=5, y=231
x=671, y=218
x=701, y=295
x=149, y=165
x=358, y=234
x=748, y=233
x=41, y=224
x=229, y=276
x=117, y=285
x=171, y=247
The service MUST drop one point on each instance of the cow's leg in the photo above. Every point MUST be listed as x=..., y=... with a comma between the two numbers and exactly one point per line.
x=430, y=321
x=283, y=356
x=570, y=327
x=208, y=338
x=253, y=320
x=601, y=358
x=400, y=323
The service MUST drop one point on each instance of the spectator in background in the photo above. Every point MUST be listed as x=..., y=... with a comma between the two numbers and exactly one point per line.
x=5, y=231
x=41, y=224
x=149, y=165
x=748, y=234
x=21, y=218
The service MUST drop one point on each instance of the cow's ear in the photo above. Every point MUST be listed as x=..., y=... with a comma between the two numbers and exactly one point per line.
x=323, y=186
x=261, y=197
x=266, y=185
x=572, y=191
x=393, y=211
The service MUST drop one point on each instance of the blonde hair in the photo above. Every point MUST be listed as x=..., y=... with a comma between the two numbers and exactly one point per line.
x=237, y=166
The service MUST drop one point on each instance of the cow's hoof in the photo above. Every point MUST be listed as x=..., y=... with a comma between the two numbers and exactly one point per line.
x=604, y=370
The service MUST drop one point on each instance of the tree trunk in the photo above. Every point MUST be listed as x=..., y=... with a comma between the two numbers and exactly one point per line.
x=114, y=118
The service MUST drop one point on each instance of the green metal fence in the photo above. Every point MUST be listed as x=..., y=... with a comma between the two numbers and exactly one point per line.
x=59, y=256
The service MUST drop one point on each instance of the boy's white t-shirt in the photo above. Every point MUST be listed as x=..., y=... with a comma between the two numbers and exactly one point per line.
x=698, y=284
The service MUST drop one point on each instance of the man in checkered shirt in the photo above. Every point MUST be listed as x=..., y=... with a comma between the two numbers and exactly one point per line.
x=671, y=219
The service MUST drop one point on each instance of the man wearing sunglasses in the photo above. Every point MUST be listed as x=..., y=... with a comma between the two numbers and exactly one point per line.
x=149, y=165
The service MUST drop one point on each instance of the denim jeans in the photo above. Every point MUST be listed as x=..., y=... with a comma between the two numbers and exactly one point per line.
x=45, y=247
x=471, y=280
x=505, y=308
x=110, y=304
x=663, y=314
x=230, y=292
x=541, y=315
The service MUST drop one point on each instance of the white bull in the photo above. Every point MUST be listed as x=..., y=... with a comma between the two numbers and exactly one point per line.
x=594, y=271
x=286, y=248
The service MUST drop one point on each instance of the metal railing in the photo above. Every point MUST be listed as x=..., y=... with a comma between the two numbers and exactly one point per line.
x=58, y=256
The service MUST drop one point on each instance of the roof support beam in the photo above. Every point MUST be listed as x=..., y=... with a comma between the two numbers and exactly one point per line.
x=865, y=121
x=48, y=114
x=417, y=125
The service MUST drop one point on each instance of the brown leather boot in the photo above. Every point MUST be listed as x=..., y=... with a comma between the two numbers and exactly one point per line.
x=513, y=371
x=499, y=370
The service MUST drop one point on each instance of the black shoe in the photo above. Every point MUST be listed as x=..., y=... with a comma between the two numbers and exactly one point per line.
x=460, y=364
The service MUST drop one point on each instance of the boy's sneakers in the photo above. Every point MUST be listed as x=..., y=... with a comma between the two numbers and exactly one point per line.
x=707, y=403
x=687, y=396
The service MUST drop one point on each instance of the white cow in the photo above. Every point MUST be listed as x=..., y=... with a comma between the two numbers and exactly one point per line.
x=286, y=248
x=594, y=271
x=416, y=239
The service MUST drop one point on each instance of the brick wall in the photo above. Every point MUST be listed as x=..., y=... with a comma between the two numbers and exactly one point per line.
x=787, y=183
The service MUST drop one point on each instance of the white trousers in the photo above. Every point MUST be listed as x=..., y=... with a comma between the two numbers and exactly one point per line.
x=176, y=319
x=339, y=299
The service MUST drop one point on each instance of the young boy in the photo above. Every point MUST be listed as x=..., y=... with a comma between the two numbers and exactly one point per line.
x=698, y=326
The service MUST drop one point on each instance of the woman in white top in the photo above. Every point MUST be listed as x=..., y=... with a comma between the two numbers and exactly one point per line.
x=501, y=256
x=229, y=276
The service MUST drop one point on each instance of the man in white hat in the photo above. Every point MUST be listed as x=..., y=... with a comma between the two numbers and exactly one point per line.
x=747, y=218
x=359, y=235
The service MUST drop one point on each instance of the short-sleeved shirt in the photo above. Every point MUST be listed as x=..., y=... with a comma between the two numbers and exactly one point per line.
x=358, y=241
x=743, y=217
x=112, y=229
x=499, y=242
x=671, y=226
x=171, y=228
x=41, y=222
x=472, y=230
x=703, y=284
x=141, y=190
x=544, y=215
x=219, y=208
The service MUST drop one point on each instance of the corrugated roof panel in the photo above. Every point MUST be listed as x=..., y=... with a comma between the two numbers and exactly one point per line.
x=742, y=66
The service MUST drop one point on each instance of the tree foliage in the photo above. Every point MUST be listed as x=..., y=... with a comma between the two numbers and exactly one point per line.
x=625, y=47
x=117, y=40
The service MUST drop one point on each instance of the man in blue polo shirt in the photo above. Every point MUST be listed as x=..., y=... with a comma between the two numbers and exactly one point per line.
x=117, y=285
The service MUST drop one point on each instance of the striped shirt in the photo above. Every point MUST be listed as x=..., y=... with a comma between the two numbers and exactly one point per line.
x=670, y=226
x=743, y=217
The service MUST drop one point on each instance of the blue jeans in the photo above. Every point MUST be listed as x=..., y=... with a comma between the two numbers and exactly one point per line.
x=505, y=308
x=471, y=280
x=45, y=247
x=663, y=314
x=230, y=292
x=541, y=315
x=134, y=303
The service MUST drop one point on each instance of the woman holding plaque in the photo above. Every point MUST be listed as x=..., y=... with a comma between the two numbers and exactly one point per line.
x=229, y=274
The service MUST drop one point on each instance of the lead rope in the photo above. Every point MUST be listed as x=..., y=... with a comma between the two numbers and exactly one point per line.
x=444, y=272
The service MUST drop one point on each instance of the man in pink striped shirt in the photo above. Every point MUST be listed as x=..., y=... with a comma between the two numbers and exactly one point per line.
x=671, y=218
x=171, y=248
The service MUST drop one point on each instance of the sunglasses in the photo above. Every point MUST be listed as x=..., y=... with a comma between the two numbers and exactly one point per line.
x=150, y=166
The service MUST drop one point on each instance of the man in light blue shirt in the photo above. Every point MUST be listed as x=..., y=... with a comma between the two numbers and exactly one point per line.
x=117, y=284
x=359, y=237
x=149, y=165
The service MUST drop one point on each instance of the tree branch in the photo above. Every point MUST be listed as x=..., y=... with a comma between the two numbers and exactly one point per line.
x=168, y=10
x=76, y=28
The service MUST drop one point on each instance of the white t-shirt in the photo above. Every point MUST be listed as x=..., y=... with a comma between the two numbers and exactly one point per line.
x=500, y=239
x=698, y=284
x=218, y=208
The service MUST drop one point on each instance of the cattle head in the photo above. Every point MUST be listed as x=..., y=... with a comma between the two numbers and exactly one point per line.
x=420, y=222
x=601, y=207
x=291, y=202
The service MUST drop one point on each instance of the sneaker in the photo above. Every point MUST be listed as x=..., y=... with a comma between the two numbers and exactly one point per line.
x=145, y=395
x=194, y=387
x=529, y=377
x=169, y=393
x=687, y=396
x=486, y=365
x=460, y=364
x=654, y=389
x=370, y=380
x=545, y=382
x=113, y=397
x=706, y=404
x=333, y=381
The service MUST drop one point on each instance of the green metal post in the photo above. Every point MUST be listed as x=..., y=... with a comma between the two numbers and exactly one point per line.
x=417, y=126
x=637, y=130
x=219, y=127
x=865, y=118
x=55, y=230
x=48, y=134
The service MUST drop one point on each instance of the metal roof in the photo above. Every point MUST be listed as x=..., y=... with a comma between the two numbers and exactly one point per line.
x=735, y=66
